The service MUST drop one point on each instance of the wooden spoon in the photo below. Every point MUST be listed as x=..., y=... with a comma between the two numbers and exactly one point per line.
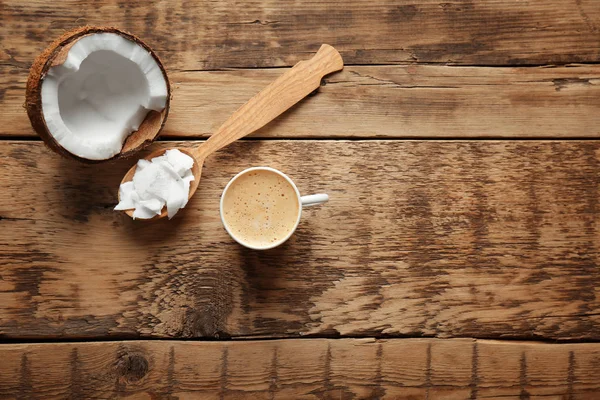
x=291, y=87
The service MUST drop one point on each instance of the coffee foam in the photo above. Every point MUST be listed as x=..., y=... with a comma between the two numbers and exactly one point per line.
x=260, y=208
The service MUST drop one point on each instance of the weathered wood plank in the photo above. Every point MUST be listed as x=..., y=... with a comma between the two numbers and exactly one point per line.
x=454, y=238
x=301, y=369
x=217, y=34
x=392, y=101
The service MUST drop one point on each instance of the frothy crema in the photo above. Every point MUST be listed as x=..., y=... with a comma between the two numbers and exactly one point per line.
x=260, y=208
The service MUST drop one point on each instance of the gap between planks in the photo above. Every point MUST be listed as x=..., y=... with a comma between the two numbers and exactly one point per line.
x=259, y=338
x=338, y=139
x=567, y=64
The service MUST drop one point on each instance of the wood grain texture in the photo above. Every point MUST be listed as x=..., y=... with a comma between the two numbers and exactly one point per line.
x=378, y=101
x=455, y=238
x=217, y=34
x=403, y=369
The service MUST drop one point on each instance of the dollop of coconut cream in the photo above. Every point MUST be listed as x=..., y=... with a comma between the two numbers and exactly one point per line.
x=100, y=94
x=164, y=180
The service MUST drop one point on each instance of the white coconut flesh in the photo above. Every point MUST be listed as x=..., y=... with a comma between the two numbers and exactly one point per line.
x=101, y=94
x=163, y=181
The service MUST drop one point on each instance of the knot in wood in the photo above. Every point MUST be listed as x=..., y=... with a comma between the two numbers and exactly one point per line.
x=131, y=367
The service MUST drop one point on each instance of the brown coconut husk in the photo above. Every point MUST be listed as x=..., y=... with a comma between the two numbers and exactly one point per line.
x=56, y=54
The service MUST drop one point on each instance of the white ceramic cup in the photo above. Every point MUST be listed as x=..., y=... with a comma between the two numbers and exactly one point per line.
x=303, y=201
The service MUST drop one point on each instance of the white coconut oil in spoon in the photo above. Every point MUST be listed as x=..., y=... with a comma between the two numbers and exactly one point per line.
x=163, y=181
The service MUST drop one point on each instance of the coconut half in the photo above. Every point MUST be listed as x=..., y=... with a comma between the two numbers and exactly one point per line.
x=97, y=94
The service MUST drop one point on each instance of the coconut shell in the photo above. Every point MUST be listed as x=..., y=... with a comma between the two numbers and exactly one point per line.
x=56, y=54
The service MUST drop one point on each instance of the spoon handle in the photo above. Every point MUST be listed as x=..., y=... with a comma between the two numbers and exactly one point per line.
x=291, y=87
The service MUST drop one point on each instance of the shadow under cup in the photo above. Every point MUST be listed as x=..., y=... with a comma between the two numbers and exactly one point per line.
x=261, y=208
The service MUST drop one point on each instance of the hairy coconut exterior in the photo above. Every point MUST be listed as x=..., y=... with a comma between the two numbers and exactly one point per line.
x=56, y=54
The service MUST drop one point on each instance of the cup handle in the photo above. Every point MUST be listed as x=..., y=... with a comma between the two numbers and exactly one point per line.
x=314, y=199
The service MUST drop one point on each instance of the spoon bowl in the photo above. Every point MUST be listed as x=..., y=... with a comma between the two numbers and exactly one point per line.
x=196, y=171
x=291, y=87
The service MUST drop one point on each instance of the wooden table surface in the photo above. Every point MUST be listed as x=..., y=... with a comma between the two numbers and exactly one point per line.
x=458, y=257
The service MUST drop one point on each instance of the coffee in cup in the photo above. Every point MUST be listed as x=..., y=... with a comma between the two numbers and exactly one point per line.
x=261, y=207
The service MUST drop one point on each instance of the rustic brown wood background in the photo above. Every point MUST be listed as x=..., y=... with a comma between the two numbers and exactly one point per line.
x=458, y=258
